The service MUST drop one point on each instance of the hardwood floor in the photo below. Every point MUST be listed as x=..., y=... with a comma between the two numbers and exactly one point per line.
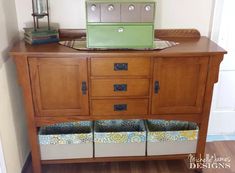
x=221, y=149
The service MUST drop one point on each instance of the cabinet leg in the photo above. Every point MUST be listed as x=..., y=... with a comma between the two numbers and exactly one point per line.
x=36, y=158
x=24, y=79
x=202, y=140
x=35, y=150
x=212, y=78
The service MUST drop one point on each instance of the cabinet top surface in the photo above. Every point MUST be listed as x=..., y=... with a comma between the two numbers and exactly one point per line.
x=187, y=47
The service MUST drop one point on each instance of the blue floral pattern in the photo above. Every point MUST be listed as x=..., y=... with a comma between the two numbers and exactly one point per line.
x=66, y=133
x=120, y=131
x=160, y=131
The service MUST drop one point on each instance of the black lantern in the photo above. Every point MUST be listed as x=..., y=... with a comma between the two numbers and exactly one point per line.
x=40, y=10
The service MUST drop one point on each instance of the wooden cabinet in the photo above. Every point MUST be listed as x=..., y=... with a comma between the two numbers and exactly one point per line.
x=179, y=85
x=59, y=86
x=64, y=85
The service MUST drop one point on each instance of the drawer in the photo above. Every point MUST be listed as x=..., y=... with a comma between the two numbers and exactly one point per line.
x=120, y=107
x=120, y=66
x=120, y=87
x=119, y=138
x=110, y=12
x=130, y=12
x=171, y=137
x=147, y=12
x=93, y=12
x=120, y=36
x=66, y=141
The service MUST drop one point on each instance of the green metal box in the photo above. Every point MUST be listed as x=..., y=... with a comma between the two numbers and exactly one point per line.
x=120, y=24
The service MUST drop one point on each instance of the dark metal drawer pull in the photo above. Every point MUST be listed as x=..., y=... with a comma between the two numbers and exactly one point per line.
x=120, y=66
x=120, y=107
x=84, y=88
x=120, y=87
x=156, y=87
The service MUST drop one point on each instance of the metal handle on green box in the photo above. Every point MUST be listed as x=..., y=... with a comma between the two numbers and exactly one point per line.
x=120, y=29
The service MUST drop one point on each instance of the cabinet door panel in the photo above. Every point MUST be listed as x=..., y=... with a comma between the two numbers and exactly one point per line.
x=57, y=86
x=179, y=85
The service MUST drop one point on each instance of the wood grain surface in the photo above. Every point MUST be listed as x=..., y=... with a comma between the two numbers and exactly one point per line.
x=135, y=66
x=57, y=84
x=105, y=87
x=106, y=107
x=182, y=84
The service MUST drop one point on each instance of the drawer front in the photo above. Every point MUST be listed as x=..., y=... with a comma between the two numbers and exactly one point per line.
x=119, y=87
x=120, y=36
x=120, y=66
x=93, y=12
x=110, y=12
x=120, y=107
x=147, y=12
x=130, y=12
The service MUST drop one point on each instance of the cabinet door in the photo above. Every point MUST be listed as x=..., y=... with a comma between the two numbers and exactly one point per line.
x=179, y=85
x=59, y=86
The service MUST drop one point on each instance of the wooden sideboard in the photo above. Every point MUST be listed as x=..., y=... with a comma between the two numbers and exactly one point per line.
x=61, y=84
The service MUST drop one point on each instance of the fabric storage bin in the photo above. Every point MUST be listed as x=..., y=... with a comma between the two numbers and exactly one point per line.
x=115, y=138
x=66, y=141
x=171, y=137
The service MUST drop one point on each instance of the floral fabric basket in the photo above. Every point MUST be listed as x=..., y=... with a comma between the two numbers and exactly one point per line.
x=115, y=138
x=171, y=137
x=66, y=141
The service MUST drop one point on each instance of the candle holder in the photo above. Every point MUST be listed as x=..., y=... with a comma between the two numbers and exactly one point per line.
x=40, y=10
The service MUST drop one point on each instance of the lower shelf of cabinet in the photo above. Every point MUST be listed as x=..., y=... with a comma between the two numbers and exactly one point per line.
x=117, y=159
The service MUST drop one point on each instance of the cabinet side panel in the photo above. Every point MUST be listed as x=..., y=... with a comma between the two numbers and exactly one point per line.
x=24, y=78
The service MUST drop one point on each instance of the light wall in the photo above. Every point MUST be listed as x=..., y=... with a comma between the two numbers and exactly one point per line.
x=223, y=106
x=13, y=132
x=169, y=14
